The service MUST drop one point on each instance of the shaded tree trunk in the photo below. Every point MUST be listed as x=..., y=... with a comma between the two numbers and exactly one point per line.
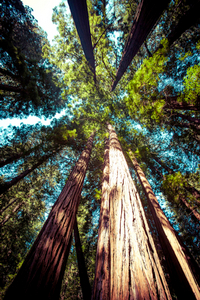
x=182, y=270
x=80, y=15
x=8, y=205
x=172, y=103
x=190, y=17
x=188, y=118
x=193, y=191
x=7, y=185
x=10, y=88
x=101, y=287
x=192, y=209
x=84, y=280
x=7, y=217
x=146, y=16
x=135, y=270
x=41, y=274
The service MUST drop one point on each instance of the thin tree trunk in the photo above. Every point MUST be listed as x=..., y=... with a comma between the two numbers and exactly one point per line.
x=135, y=270
x=15, y=209
x=192, y=209
x=8, y=205
x=41, y=274
x=193, y=191
x=184, y=125
x=146, y=16
x=84, y=280
x=189, y=118
x=163, y=165
x=9, y=88
x=80, y=15
x=183, y=273
x=7, y=185
x=172, y=103
x=101, y=287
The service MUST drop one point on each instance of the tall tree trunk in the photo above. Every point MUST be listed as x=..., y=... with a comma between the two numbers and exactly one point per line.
x=84, y=280
x=80, y=15
x=7, y=185
x=146, y=16
x=182, y=271
x=135, y=270
x=101, y=287
x=41, y=274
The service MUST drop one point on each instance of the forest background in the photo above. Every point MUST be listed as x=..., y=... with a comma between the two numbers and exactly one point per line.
x=154, y=109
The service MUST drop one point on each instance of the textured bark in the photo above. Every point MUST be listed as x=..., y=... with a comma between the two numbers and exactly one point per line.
x=146, y=16
x=41, y=274
x=101, y=287
x=135, y=270
x=7, y=185
x=84, y=280
x=80, y=15
x=182, y=271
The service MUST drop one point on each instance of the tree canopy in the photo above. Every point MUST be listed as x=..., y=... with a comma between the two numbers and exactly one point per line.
x=154, y=108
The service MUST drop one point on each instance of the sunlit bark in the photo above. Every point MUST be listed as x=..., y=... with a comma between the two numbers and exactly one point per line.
x=135, y=270
x=182, y=271
x=41, y=274
x=101, y=288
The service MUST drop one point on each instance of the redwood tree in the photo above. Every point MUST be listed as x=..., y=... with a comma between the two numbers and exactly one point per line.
x=101, y=288
x=180, y=264
x=41, y=274
x=135, y=270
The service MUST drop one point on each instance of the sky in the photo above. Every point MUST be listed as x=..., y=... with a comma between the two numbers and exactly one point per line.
x=42, y=11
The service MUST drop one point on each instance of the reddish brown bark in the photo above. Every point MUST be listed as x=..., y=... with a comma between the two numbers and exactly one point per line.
x=101, y=287
x=80, y=15
x=146, y=16
x=135, y=270
x=41, y=274
x=84, y=280
x=182, y=271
